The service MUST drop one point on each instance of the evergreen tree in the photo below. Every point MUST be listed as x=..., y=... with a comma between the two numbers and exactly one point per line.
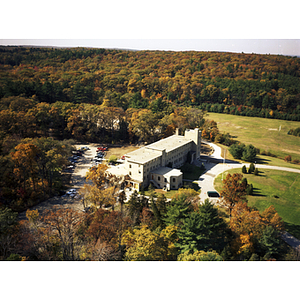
x=271, y=242
x=244, y=169
x=178, y=209
x=249, y=153
x=251, y=168
x=202, y=230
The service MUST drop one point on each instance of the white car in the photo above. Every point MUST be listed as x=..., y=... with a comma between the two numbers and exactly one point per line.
x=71, y=192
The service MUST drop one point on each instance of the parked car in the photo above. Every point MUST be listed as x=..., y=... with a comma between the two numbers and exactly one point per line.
x=71, y=192
x=84, y=148
x=99, y=154
x=102, y=149
x=70, y=167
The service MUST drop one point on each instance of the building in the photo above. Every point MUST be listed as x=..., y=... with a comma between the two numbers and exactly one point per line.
x=157, y=163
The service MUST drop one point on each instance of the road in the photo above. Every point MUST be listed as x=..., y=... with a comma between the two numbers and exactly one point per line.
x=215, y=165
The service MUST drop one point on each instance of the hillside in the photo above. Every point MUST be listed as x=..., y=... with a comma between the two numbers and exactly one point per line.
x=235, y=83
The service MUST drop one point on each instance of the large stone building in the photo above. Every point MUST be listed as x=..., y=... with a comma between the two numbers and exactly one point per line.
x=157, y=163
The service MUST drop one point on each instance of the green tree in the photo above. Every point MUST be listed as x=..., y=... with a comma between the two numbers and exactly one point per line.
x=249, y=153
x=202, y=230
x=8, y=227
x=244, y=169
x=251, y=168
x=178, y=209
x=271, y=242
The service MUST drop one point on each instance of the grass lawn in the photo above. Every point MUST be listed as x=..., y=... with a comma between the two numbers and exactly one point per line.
x=272, y=187
x=261, y=133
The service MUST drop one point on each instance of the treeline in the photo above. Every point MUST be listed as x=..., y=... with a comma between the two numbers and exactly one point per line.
x=145, y=229
x=235, y=83
x=28, y=118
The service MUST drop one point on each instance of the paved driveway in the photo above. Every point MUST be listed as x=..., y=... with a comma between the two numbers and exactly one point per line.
x=215, y=165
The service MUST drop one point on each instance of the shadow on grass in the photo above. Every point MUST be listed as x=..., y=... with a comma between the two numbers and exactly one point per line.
x=262, y=161
x=257, y=193
x=293, y=229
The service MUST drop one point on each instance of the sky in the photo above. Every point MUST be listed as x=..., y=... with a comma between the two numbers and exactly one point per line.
x=259, y=26
x=259, y=46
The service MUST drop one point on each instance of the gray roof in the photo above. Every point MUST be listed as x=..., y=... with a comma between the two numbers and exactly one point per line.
x=165, y=171
x=142, y=155
x=170, y=143
x=152, y=151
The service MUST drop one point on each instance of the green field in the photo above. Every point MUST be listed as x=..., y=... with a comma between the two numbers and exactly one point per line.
x=278, y=188
x=261, y=133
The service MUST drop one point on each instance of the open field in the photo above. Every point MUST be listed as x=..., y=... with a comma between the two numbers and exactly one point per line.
x=261, y=133
x=278, y=188
x=120, y=151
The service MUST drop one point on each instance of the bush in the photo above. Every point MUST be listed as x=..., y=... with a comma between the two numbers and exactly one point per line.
x=249, y=153
x=241, y=151
x=244, y=169
x=249, y=189
x=251, y=168
x=236, y=150
x=256, y=172
x=288, y=158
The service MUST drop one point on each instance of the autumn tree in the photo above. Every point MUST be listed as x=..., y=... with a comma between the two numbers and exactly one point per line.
x=62, y=224
x=200, y=256
x=142, y=244
x=251, y=235
x=233, y=191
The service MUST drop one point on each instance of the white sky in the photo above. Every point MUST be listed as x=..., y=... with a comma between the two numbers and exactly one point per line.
x=259, y=26
x=262, y=46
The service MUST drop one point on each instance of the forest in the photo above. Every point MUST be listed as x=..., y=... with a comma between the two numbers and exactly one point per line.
x=51, y=98
x=234, y=83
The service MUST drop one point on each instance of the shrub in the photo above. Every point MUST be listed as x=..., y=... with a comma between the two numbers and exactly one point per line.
x=249, y=189
x=249, y=153
x=256, y=172
x=236, y=150
x=288, y=158
x=244, y=169
x=251, y=168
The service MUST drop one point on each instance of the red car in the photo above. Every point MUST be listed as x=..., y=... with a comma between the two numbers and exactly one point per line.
x=101, y=149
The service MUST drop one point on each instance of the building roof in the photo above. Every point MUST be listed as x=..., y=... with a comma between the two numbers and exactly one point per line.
x=143, y=155
x=165, y=171
x=152, y=151
x=170, y=143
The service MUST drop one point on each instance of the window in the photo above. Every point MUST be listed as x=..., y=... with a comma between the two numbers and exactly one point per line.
x=174, y=180
x=129, y=166
x=158, y=178
x=129, y=173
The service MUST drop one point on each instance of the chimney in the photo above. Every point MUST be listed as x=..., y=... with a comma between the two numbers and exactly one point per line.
x=177, y=131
